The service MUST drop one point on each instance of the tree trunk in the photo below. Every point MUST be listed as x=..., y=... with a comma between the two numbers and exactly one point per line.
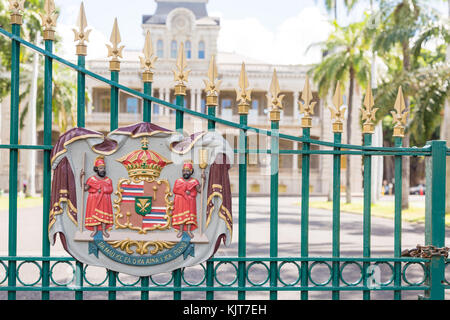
x=348, y=176
x=335, y=10
x=406, y=139
x=445, y=133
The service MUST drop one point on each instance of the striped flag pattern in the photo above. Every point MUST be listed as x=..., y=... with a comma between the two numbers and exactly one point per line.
x=131, y=191
x=155, y=218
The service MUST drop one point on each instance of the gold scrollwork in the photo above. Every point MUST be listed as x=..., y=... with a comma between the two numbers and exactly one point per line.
x=142, y=247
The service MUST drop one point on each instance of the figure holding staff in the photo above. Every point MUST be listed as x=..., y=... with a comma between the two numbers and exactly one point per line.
x=185, y=189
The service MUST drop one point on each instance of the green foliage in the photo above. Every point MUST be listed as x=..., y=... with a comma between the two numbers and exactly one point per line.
x=346, y=48
x=406, y=27
x=64, y=82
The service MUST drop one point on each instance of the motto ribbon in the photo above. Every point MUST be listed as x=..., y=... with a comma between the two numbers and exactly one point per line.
x=184, y=247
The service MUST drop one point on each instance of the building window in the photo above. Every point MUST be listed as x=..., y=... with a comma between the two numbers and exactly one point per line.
x=226, y=103
x=187, y=47
x=201, y=50
x=105, y=104
x=132, y=105
x=255, y=104
x=203, y=106
x=155, y=108
x=173, y=49
x=160, y=48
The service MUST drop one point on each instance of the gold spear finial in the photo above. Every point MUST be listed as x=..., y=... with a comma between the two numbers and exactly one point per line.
x=307, y=107
x=81, y=35
x=212, y=84
x=400, y=114
x=181, y=74
x=49, y=20
x=148, y=60
x=337, y=113
x=243, y=94
x=16, y=7
x=115, y=51
x=368, y=113
x=275, y=98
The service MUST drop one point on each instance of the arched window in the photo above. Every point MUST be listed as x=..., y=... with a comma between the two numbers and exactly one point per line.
x=187, y=48
x=201, y=50
x=173, y=49
x=160, y=49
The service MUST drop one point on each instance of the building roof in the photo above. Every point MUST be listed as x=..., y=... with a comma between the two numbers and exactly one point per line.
x=165, y=7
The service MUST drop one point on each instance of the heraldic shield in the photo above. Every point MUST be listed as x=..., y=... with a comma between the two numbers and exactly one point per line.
x=143, y=200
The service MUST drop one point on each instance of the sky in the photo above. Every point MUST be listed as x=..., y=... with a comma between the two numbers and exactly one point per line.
x=276, y=32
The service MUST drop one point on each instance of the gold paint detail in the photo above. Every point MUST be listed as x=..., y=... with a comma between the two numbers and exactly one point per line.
x=16, y=7
x=223, y=211
x=148, y=60
x=400, y=114
x=275, y=99
x=86, y=136
x=142, y=247
x=368, y=113
x=212, y=84
x=243, y=94
x=81, y=35
x=181, y=74
x=128, y=225
x=307, y=105
x=147, y=76
x=180, y=89
x=203, y=155
x=337, y=113
x=105, y=153
x=212, y=101
x=188, y=148
x=141, y=172
x=49, y=20
x=55, y=211
x=114, y=50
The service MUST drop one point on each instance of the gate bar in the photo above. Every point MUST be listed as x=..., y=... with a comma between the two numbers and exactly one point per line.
x=114, y=124
x=367, y=210
x=305, y=213
x=81, y=93
x=48, y=102
x=180, y=92
x=336, y=215
x=242, y=242
x=210, y=264
x=398, y=141
x=13, y=158
x=274, y=164
x=435, y=217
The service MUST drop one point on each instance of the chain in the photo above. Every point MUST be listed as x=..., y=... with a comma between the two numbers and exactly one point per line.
x=426, y=252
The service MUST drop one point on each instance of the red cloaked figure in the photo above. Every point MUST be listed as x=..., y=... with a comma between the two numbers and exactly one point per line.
x=185, y=189
x=99, y=213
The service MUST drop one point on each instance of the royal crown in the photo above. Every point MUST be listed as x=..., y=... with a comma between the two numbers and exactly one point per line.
x=144, y=163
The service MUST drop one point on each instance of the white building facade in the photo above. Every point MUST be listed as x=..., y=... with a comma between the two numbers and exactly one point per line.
x=188, y=22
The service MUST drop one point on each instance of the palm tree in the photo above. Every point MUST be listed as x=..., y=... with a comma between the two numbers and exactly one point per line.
x=30, y=27
x=347, y=60
x=331, y=5
x=405, y=26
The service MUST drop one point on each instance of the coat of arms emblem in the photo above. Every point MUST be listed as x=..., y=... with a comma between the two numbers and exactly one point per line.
x=143, y=200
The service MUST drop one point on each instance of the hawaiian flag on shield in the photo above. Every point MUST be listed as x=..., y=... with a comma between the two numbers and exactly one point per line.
x=131, y=191
x=156, y=217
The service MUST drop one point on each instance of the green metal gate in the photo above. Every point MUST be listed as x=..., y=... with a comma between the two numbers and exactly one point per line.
x=433, y=283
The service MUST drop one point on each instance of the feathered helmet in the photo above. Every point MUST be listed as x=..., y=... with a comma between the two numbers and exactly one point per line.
x=99, y=161
x=188, y=165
